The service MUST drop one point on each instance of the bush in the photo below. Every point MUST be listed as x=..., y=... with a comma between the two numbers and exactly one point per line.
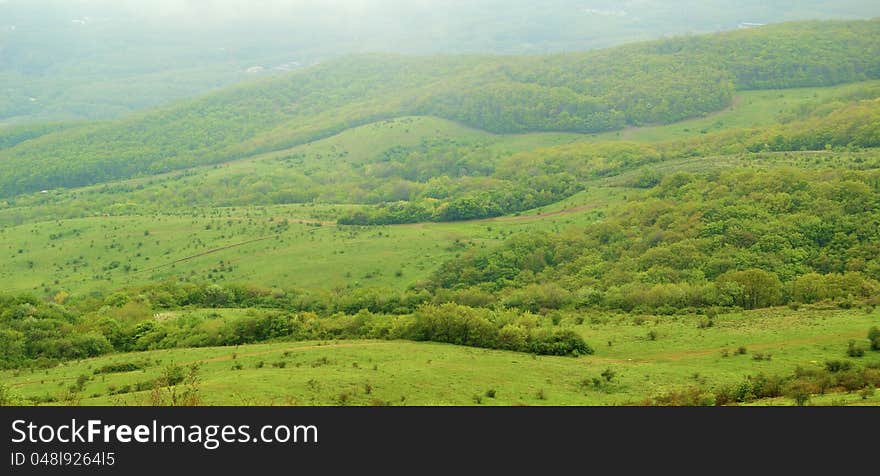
x=537, y=297
x=558, y=342
x=799, y=391
x=120, y=368
x=874, y=337
x=608, y=374
x=462, y=325
x=7, y=398
x=835, y=366
x=855, y=350
x=453, y=324
x=768, y=387
x=691, y=397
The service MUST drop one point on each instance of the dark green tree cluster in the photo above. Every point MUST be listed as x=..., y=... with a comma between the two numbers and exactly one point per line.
x=732, y=238
x=36, y=333
x=33, y=332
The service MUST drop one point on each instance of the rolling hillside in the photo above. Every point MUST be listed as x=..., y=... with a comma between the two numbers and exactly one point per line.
x=691, y=221
x=664, y=81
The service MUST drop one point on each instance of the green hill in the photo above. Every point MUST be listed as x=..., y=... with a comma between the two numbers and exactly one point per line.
x=648, y=224
x=663, y=81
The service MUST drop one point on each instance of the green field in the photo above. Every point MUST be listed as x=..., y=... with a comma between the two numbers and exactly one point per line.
x=387, y=230
x=407, y=373
x=111, y=249
x=105, y=253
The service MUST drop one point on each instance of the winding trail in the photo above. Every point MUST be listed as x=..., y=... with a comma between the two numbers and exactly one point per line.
x=205, y=253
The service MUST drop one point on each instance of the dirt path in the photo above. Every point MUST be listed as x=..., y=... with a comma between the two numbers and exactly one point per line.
x=205, y=253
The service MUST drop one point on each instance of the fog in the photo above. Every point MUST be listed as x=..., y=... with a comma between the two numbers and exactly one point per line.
x=417, y=26
x=63, y=49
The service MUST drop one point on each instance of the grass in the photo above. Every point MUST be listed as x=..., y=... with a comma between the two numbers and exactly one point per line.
x=253, y=244
x=409, y=373
x=245, y=181
x=101, y=238
x=750, y=109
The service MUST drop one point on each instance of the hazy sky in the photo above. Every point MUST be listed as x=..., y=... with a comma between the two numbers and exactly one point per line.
x=237, y=9
x=48, y=45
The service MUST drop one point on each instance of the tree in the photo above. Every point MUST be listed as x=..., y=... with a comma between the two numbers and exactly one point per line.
x=809, y=288
x=216, y=296
x=755, y=288
x=12, y=348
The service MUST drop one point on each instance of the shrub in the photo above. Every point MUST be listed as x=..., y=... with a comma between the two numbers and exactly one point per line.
x=513, y=337
x=453, y=324
x=120, y=368
x=768, y=387
x=691, y=397
x=799, y=391
x=874, y=337
x=558, y=342
x=608, y=374
x=7, y=397
x=837, y=366
x=537, y=297
x=852, y=380
x=855, y=350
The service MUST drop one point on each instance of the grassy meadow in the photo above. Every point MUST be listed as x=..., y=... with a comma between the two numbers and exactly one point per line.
x=721, y=259
x=370, y=372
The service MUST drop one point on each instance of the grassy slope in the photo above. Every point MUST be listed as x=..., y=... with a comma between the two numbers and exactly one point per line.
x=750, y=109
x=364, y=143
x=325, y=257
x=172, y=190
x=276, y=114
x=409, y=373
x=302, y=255
x=328, y=256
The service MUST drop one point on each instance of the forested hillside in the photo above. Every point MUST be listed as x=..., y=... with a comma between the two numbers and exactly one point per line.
x=692, y=221
x=654, y=82
x=102, y=59
x=698, y=240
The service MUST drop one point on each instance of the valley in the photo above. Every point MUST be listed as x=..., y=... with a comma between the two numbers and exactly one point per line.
x=687, y=221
